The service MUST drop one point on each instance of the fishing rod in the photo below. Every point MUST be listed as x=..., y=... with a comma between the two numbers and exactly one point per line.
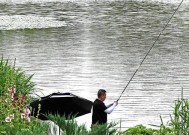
x=149, y=50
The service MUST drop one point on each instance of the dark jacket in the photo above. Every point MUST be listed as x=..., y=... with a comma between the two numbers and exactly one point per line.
x=98, y=115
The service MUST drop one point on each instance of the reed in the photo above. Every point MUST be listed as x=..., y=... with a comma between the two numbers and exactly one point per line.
x=180, y=118
x=10, y=76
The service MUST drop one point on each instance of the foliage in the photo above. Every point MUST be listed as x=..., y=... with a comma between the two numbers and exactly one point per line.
x=10, y=76
x=15, y=87
x=140, y=130
x=35, y=127
x=106, y=129
x=70, y=127
x=180, y=119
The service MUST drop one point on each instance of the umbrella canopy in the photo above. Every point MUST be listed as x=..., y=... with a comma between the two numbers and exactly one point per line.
x=64, y=104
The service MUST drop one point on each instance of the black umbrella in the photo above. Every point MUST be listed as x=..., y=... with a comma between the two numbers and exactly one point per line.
x=64, y=104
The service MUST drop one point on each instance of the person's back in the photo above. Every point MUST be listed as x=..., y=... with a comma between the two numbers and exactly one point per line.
x=99, y=116
x=100, y=111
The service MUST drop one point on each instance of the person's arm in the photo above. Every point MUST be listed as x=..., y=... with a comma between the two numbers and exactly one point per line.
x=109, y=105
x=111, y=108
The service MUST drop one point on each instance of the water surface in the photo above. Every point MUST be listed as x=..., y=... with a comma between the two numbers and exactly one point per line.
x=82, y=46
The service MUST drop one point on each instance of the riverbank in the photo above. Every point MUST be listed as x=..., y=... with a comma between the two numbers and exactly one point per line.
x=15, y=112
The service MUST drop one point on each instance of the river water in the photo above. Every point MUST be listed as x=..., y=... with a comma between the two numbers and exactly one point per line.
x=82, y=46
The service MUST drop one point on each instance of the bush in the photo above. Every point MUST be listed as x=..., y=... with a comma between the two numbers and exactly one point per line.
x=140, y=130
x=15, y=88
x=70, y=127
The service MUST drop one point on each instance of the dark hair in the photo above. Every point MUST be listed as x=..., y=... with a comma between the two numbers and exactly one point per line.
x=101, y=92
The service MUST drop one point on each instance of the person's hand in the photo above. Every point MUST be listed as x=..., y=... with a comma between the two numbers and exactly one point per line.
x=116, y=103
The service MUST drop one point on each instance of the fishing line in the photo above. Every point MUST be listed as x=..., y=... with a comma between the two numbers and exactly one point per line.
x=150, y=49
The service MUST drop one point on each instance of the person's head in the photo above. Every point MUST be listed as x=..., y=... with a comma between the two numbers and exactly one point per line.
x=101, y=94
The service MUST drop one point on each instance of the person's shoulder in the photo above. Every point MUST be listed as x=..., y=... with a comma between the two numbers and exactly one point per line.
x=97, y=101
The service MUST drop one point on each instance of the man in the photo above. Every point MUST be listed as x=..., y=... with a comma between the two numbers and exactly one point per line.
x=100, y=111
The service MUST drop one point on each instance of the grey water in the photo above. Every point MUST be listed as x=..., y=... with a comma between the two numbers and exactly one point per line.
x=83, y=46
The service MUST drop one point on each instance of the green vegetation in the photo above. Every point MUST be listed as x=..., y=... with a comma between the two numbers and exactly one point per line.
x=142, y=130
x=70, y=127
x=180, y=119
x=15, y=89
x=11, y=76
